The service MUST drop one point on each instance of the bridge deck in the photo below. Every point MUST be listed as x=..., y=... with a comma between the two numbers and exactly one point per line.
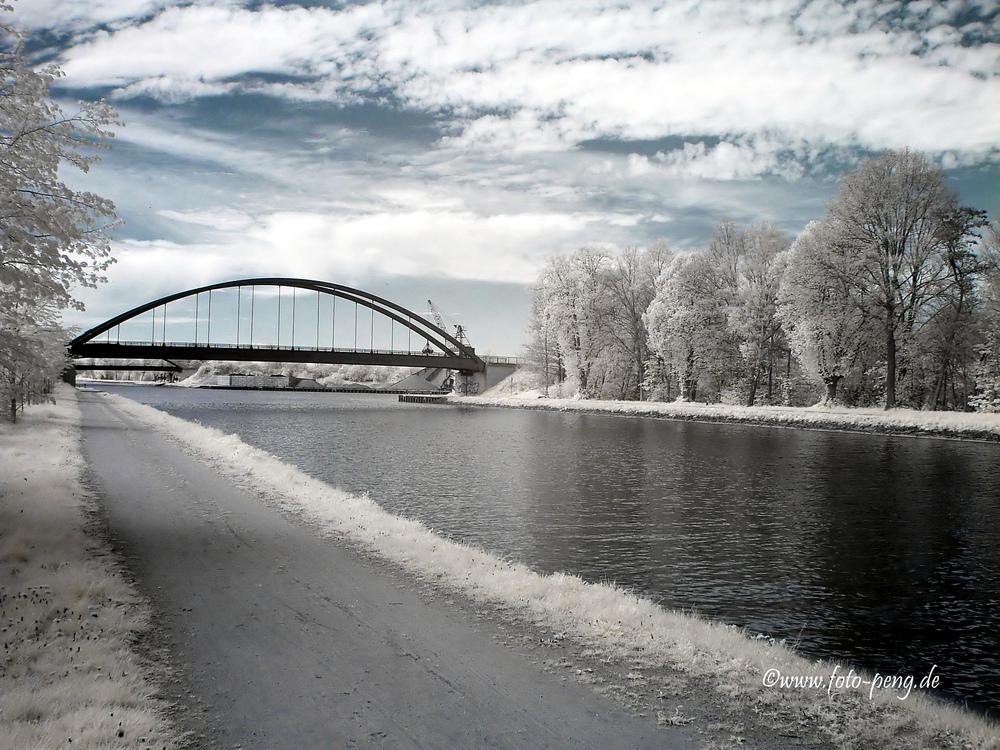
x=273, y=353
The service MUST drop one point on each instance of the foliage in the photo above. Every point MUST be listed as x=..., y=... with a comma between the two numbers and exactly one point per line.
x=898, y=242
x=987, y=346
x=686, y=321
x=631, y=285
x=32, y=349
x=587, y=320
x=827, y=327
x=713, y=321
x=52, y=238
x=891, y=296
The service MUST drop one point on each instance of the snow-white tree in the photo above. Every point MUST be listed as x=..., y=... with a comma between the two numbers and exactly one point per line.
x=32, y=349
x=714, y=319
x=542, y=352
x=686, y=322
x=571, y=298
x=827, y=325
x=631, y=284
x=987, y=364
x=753, y=312
x=950, y=334
x=586, y=321
x=886, y=217
x=52, y=238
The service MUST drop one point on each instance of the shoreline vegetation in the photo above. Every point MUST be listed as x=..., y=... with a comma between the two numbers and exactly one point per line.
x=981, y=426
x=656, y=654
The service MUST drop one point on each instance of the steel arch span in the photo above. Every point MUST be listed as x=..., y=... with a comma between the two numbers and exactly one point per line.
x=180, y=326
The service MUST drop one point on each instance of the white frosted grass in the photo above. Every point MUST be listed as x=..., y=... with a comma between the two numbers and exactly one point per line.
x=68, y=676
x=906, y=421
x=609, y=622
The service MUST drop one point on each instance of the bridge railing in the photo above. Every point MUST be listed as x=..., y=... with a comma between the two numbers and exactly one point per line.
x=279, y=347
x=491, y=359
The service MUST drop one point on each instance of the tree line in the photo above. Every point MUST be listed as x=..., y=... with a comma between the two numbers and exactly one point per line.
x=52, y=238
x=891, y=298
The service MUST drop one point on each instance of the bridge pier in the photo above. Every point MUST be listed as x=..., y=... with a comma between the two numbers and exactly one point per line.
x=475, y=383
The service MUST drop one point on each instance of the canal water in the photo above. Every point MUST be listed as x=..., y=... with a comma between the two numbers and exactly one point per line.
x=880, y=551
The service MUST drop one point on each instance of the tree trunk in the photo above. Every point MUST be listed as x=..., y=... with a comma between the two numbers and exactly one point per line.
x=831, y=383
x=890, y=366
x=754, y=382
x=939, y=399
x=688, y=385
x=770, y=371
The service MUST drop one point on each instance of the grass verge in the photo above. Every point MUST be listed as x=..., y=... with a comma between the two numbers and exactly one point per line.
x=69, y=676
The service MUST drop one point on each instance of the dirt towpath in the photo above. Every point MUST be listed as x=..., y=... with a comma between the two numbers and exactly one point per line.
x=283, y=639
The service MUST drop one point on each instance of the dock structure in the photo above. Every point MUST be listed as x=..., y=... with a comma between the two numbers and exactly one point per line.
x=422, y=398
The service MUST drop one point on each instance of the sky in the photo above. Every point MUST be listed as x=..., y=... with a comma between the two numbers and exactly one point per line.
x=444, y=149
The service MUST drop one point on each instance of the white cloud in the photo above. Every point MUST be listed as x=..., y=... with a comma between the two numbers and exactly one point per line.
x=424, y=198
x=545, y=75
x=191, y=47
x=726, y=161
x=171, y=90
x=147, y=270
x=75, y=15
x=423, y=242
x=428, y=243
x=221, y=219
x=173, y=46
x=166, y=137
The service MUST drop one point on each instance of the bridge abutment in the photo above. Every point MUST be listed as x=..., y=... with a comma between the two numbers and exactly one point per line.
x=475, y=383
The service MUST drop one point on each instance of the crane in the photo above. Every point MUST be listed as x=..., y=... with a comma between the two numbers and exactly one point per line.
x=439, y=322
x=464, y=384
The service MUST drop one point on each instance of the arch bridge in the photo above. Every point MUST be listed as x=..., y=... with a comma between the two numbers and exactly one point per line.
x=277, y=320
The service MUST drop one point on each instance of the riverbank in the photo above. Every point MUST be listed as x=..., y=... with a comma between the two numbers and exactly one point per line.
x=727, y=687
x=959, y=425
x=70, y=676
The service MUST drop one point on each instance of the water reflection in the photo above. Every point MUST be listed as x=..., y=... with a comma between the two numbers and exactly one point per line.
x=878, y=550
